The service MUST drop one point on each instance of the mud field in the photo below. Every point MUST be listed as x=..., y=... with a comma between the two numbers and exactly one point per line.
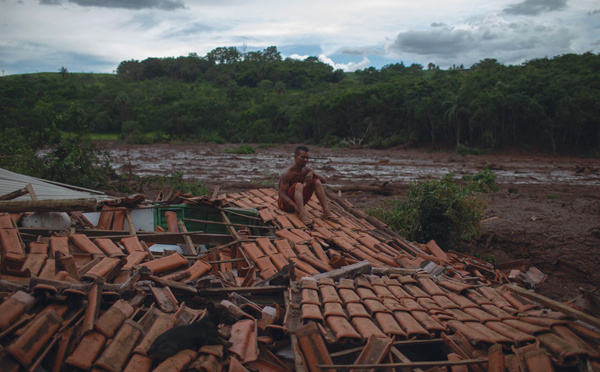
x=547, y=210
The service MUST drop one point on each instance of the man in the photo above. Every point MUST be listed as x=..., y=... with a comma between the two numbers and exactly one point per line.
x=297, y=185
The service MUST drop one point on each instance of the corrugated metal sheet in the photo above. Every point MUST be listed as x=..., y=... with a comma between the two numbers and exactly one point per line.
x=44, y=189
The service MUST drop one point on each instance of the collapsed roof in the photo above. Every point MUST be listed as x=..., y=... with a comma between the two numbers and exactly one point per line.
x=346, y=293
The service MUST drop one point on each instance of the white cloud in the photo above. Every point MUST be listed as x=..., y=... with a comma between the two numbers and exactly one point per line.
x=35, y=36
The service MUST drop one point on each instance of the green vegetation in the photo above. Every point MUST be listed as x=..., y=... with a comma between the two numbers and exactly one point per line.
x=241, y=150
x=552, y=196
x=258, y=97
x=483, y=181
x=175, y=181
x=443, y=210
x=228, y=96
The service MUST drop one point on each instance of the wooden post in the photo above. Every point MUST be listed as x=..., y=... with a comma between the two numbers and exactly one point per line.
x=32, y=194
x=187, y=239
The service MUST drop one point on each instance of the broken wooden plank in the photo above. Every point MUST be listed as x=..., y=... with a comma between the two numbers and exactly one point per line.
x=350, y=271
x=555, y=305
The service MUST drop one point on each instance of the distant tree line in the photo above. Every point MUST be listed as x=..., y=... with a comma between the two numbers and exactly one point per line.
x=550, y=105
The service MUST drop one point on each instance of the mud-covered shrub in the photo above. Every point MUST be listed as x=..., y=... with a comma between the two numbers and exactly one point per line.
x=175, y=181
x=483, y=181
x=443, y=210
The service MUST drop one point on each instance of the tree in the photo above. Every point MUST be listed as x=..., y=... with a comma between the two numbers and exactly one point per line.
x=63, y=72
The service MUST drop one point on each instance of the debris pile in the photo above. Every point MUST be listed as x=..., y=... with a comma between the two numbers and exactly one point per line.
x=345, y=293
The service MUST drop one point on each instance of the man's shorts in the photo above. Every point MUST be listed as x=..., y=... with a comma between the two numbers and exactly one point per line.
x=307, y=193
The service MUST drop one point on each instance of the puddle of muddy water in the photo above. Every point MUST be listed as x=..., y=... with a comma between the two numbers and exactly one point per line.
x=343, y=168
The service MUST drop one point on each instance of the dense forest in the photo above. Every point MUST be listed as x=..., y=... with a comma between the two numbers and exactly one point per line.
x=550, y=105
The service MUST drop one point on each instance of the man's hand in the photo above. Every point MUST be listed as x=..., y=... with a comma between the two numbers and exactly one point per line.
x=309, y=178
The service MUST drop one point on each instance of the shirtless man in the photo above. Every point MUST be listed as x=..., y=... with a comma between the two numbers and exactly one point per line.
x=297, y=184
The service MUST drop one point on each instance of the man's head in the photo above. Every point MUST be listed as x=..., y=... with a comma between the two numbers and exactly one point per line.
x=300, y=148
x=301, y=156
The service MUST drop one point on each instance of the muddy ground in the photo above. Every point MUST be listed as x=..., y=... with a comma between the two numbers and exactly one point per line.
x=546, y=211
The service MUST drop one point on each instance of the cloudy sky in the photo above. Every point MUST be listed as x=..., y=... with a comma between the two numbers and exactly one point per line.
x=96, y=35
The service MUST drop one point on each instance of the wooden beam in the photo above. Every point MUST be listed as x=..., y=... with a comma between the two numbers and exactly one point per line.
x=48, y=205
x=555, y=305
x=440, y=363
x=230, y=224
x=148, y=236
x=252, y=290
x=15, y=194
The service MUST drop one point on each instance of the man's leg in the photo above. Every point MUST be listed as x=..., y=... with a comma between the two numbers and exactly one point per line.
x=299, y=199
x=322, y=199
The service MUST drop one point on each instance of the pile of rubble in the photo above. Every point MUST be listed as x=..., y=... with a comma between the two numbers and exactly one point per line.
x=346, y=293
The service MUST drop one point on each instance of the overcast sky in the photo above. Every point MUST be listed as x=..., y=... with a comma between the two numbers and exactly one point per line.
x=96, y=35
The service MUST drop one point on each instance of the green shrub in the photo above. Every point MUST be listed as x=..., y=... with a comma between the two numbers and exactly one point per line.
x=175, y=182
x=443, y=210
x=483, y=181
x=466, y=150
x=76, y=160
x=241, y=149
x=552, y=196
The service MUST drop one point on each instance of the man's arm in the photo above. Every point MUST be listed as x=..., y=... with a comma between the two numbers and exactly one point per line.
x=284, y=184
x=312, y=174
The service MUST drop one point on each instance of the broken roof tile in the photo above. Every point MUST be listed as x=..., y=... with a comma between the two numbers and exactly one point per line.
x=243, y=339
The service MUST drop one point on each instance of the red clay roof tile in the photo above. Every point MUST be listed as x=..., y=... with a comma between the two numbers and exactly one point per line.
x=87, y=350
x=311, y=312
x=314, y=262
x=13, y=307
x=341, y=328
x=374, y=306
x=118, y=350
x=310, y=296
x=132, y=244
x=177, y=362
x=243, y=339
x=329, y=294
x=365, y=293
x=410, y=324
x=333, y=309
x=109, y=247
x=428, y=322
x=349, y=296
x=388, y=324
x=25, y=348
x=138, y=363
x=460, y=300
x=114, y=318
x=102, y=268
x=357, y=310
x=366, y=327
x=518, y=337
